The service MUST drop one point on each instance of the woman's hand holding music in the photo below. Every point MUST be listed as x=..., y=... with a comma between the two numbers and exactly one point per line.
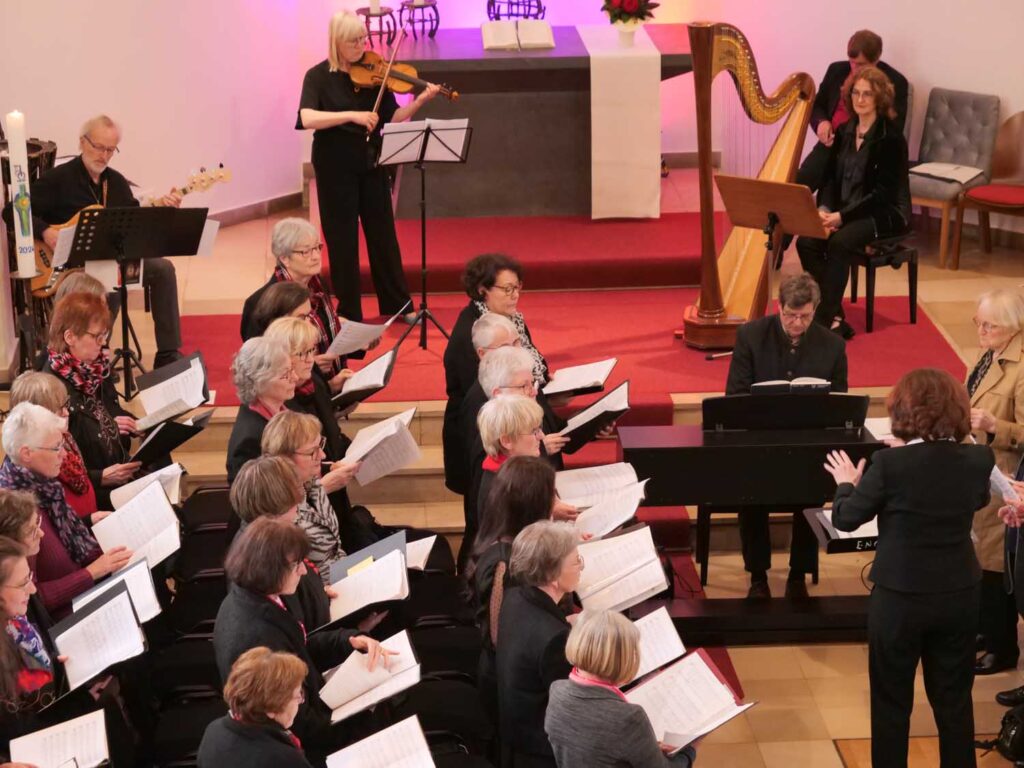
x=126, y=425
x=553, y=443
x=325, y=362
x=340, y=474
x=119, y=474
x=1012, y=514
x=338, y=381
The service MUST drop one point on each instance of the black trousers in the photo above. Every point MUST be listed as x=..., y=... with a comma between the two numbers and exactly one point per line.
x=757, y=546
x=937, y=629
x=160, y=278
x=828, y=262
x=998, y=616
x=347, y=197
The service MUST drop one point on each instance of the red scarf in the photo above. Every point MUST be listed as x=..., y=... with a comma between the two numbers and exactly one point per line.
x=258, y=406
x=493, y=463
x=305, y=388
x=321, y=315
x=85, y=377
x=72, y=469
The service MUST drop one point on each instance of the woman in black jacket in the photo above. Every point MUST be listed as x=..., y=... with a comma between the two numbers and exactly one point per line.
x=866, y=195
x=264, y=565
x=924, y=605
x=263, y=694
x=77, y=355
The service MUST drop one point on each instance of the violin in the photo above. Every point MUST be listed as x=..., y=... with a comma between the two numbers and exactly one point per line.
x=373, y=70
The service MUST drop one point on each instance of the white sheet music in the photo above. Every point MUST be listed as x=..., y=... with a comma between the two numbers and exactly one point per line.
x=146, y=525
x=867, y=531
x=418, y=552
x=83, y=739
x=659, y=641
x=187, y=387
x=402, y=142
x=370, y=376
x=105, y=637
x=65, y=239
x=384, y=447
x=354, y=336
x=686, y=700
x=608, y=560
x=386, y=579
x=403, y=745
x=395, y=685
x=616, y=400
x=618, y=508
x=584, y=487
x=881, y=427
x=632, y=589
x=140, y=588
x=352, y=678
x=447, y=140
x=169, y=477
x=580, y=376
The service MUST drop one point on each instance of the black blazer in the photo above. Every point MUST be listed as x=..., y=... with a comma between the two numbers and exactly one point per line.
x=247, y=620
x=248, y=327
x=827, y=100
x=532, y=631
x=763, y=353
x=925, y=496
x=885, y=195
x=229, y=742
x=244, y=443
x=460, y=369
x=96, y=453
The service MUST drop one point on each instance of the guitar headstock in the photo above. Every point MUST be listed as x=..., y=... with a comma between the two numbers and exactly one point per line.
x=206, y=178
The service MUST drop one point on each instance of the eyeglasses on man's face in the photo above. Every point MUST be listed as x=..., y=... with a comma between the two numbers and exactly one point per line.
x=101, y=148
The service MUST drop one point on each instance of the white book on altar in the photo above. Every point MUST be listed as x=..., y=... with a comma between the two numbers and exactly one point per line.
x=618, y=508
x=379, y=581
x=384, y=447
x=146, y=524
x=402, y=745
x=169, y=477
x=141, y=590
x=353, y=336
x=620, y=571
x=499, y=35
x=687, y=700
x=81, y=742
x=659, y=642
x=534, y=34
x=580, y=379
x=352, y=686
x=584, y=487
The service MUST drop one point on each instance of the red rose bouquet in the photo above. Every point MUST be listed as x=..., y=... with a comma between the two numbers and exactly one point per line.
x=629, y=10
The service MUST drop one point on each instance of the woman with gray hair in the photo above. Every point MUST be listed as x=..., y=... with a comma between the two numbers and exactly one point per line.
x=265, y=380
x=296, y=246
x=532, y=632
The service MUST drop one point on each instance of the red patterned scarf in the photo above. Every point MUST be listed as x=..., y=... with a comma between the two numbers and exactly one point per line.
x=73, y=473
x=322, y=315
x=85, y=377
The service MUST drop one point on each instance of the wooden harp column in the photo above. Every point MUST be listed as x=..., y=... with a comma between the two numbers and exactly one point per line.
x=734, y=284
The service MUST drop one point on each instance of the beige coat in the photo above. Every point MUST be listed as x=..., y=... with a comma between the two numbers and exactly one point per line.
x=1001, y=393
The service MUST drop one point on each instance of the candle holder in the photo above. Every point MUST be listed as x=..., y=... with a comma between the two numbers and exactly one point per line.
x=422, y=14
x=380, y=24
x=515, y=9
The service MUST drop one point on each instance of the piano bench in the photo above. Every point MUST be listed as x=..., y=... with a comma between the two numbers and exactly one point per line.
x=886, y=252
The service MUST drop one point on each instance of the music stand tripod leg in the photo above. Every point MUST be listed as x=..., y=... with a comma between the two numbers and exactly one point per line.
x=128, y=357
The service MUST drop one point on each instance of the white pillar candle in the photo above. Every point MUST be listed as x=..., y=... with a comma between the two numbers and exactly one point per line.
x=374, y=6
x=17, y=156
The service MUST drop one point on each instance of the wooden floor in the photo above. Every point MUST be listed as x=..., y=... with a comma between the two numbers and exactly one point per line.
x=813, y=701
x=923, y=753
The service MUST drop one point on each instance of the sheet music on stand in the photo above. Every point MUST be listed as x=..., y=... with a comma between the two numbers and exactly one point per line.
x=430, y=141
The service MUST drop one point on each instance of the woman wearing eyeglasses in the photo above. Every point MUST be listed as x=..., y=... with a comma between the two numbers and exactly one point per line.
x=68, y=560
x=263, y=694
x=996, y=389
x=77, y=355
x=350, y=188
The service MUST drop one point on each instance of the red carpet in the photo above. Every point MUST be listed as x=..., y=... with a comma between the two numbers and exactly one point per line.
x=635, y=326
x=557, y=252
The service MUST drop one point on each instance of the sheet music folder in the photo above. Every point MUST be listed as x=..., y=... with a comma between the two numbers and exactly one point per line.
x=168, y=436
x=811, y=410
x=169, y=371
x=343, y=400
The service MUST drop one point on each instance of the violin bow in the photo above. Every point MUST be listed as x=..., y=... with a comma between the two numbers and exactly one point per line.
x=387, y=73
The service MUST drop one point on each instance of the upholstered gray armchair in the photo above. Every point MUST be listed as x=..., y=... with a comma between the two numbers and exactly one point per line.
x=959, y=127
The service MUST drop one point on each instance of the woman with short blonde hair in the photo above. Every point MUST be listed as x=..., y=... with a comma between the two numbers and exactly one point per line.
x=510, y=426
x=588, y=719
x=266, y=486
x=263, y=694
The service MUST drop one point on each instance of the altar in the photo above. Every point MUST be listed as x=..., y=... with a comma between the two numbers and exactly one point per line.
x=531, y=116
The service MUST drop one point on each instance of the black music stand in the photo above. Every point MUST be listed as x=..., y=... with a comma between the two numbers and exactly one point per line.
x=790, y=410
x=417, y=144
x=127, y=235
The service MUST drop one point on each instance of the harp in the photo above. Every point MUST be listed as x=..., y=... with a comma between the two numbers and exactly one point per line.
x=734, y=285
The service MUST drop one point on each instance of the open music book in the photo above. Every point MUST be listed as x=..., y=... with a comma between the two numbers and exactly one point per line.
x=867, y=531
x=146, y=525
x=947, y=171
x=379, y=581
x=354, y=336
x=168, y=435
x=580, y=379
x=591, y=485
x=141, y=589
x=799, y=384
x=879, y=427
x=621, y=571
x=81, y=742
x=687, y=700
x=512, y=35
x=351, y=687
x=402, y=745
x=618, y=508
x=367, y=381
x=99, y=635
x=172, y=390
x=584, y=426
x=659, y=642
x=384, y=447
x=169, y=478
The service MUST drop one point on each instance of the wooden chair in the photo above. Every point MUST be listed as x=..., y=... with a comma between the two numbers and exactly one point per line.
x=1005, y=194
x=886, y=252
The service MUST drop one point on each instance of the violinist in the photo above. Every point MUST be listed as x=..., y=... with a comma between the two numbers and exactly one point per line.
x=349, y=187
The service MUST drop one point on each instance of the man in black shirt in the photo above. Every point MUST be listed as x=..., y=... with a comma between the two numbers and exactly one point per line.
x=784, y=346
x=88, y=180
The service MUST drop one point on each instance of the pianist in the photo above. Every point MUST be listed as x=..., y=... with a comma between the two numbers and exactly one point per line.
x=784, y=346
